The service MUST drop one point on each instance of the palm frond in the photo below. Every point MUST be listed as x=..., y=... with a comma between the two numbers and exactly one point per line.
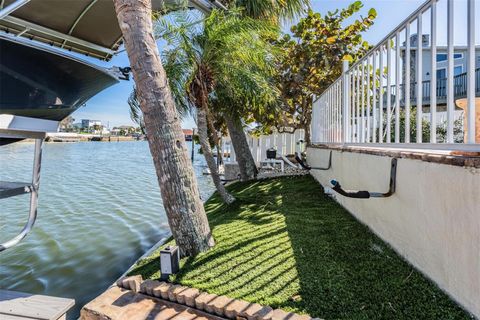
x=231, y=47
x=135, y=112
x=273, y=10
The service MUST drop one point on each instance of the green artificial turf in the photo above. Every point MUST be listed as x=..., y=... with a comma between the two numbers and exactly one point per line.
x=285, y=244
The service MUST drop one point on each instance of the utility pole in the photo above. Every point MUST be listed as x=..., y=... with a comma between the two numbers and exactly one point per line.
x=193, y=144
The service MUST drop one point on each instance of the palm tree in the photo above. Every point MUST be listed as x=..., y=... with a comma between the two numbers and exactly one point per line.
x=178, y=185
x=271, y=11
x=235, y=114
x=224, y=57
x=184, y=209
x=242, y=109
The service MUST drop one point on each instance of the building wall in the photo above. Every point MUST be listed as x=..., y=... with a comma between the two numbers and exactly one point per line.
x=459, y=62
x=427, y=61
x=86, y=123
x=432, y=220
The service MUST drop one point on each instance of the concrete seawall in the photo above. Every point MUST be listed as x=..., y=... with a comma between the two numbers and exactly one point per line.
x=73, y=137
x=432, y=219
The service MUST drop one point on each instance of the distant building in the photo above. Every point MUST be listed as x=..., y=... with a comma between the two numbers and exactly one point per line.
x=441, y=65
x=91, y=126
x=115, y=131
x=88, y=124
x=188, y=133
x=459, y=58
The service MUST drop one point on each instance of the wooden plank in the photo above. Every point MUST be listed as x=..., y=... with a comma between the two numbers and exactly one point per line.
x=19, y=305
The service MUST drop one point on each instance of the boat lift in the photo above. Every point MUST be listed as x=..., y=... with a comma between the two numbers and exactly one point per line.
x=15, y=128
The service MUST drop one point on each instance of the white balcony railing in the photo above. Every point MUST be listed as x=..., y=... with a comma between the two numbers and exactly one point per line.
x=358, y=108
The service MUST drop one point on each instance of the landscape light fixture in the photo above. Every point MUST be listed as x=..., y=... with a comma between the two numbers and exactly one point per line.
x=169, y=261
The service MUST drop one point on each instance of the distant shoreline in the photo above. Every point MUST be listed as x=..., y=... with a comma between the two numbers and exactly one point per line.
x=80, y=138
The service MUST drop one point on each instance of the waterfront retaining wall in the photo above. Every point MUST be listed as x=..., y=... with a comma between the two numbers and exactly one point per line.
x=432, y=220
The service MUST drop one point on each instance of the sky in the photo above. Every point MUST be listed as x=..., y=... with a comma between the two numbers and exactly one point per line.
x=110, y=106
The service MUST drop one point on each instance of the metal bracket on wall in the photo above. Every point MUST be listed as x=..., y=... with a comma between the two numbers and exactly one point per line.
x=307, y=167
x=367, y=194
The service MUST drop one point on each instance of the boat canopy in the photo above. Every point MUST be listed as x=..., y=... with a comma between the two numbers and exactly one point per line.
x=85, y=26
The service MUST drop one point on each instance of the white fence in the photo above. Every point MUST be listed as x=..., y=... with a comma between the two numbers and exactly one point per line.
x=284, y=143
x=375, y=99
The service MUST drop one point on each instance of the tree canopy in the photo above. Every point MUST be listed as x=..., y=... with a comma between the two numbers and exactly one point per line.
x=312, y=59
x=230, y=52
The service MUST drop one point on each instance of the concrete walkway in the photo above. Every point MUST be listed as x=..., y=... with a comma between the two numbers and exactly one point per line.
x=121, y=304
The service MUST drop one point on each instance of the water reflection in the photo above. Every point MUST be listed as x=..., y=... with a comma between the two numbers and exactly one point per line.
x=99, y=209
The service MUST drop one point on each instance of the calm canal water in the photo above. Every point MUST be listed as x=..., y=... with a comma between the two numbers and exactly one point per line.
x=99, y=210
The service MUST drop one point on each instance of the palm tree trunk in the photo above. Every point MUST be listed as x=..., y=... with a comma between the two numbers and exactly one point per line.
x=215, y=137
x=207, y=152
x=246, y=163
x=181, y=199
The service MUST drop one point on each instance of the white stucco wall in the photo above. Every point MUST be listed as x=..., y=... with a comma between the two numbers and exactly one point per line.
x=432, y=220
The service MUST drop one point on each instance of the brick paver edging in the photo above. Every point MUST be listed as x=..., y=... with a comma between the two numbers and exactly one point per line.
x=221, y=306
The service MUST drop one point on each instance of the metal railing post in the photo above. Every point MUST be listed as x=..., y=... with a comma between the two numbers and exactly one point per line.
x=367, y=138
x=397, y=87
x=345, y=103
x=357, y=105
x=471, y=72
x=389, y=91
x=450, y=88
x=352, y=106
x=419, y=73
x=362, y=106
x=380, y=97
x=433, y=72
x=407, y=84
x=374, y=98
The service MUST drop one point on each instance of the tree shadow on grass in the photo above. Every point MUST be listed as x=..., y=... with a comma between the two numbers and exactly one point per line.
x=285, y=244
x=346, y=271
x=148, y=269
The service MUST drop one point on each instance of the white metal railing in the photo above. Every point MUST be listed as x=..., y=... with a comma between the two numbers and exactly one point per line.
x=375, y=98
x=284, y=143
